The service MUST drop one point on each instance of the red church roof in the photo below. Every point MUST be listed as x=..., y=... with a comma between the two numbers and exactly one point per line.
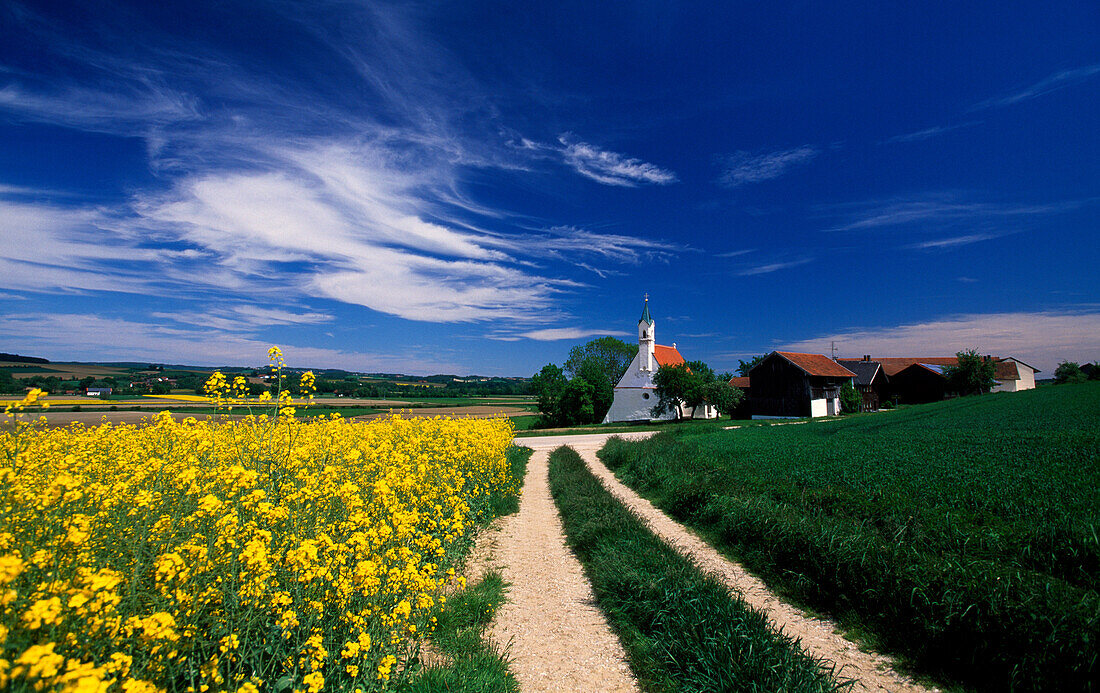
x=817, y=364
x=667, y=356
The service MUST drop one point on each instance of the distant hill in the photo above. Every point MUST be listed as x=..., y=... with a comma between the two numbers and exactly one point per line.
x=16, y=358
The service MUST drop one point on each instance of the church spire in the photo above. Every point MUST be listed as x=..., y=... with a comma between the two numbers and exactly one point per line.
x=646, y=317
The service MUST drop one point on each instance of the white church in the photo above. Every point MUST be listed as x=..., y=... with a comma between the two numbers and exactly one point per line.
x=636, y=394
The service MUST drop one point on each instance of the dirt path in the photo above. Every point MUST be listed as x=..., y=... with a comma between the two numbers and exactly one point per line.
x=873, y=672
x=557, y=637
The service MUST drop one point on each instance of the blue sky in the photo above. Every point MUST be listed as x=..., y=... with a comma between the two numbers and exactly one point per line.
x=477, y=186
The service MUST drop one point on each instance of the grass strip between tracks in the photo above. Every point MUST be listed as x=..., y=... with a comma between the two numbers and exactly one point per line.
x=682, y=629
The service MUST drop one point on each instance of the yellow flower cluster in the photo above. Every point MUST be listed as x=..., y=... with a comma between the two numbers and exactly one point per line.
x=265, y=554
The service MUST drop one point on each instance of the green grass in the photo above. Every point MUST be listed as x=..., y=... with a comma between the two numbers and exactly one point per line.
x=961, y=534
x=474, y=665
x=690, y=424
x=682, y=629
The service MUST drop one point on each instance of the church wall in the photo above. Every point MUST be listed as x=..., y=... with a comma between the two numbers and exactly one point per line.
x=631, y=404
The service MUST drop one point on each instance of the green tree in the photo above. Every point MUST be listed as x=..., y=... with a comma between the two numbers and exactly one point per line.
x=612, y=356
x=549, y=386
x=577, y=405
x=8, y=384
x=850, y=399
x=691, y=385
x=1069, y=372
x=603, y=389
x=972, y=376
x=743, y=367
x=725, y=397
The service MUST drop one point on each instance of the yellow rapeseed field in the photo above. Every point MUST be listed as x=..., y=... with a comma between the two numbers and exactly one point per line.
x=266, y=554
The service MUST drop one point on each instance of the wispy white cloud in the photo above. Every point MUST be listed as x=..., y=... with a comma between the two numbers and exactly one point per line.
x=1041, y=339
x=742, y=168
x=927, y=133
x=282, y=188
x=938, y=210
x=126, y=340
x=770, y=267
x=559, y=333
x=242, y=318
x=98, y=110
x=611, y=168
x=1053, y=82
x=953, y=242
x=571, y=240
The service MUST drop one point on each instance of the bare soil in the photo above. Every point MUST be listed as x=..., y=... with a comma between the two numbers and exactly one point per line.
x=819, y=637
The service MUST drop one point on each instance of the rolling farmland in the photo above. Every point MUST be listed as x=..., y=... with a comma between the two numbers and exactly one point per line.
x=961, y=534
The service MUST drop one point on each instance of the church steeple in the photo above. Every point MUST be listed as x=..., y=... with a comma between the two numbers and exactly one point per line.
x=646, y=337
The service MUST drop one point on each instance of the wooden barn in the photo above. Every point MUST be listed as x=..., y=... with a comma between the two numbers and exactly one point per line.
x=787, y=384
x=919, y=383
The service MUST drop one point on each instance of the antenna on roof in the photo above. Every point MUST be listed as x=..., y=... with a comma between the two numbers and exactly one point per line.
x=832, y=346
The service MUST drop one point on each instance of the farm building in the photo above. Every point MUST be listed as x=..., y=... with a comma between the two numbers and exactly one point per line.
x=919, y=383
x=925, y=383
x=635, y=394
x=787, y=384
x=870, y=381
x=1012, y=375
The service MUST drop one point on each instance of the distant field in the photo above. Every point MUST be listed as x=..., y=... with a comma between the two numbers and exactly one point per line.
x=963, y=534
x=65, y=371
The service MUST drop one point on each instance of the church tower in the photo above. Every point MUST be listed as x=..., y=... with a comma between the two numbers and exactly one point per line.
x=646, y=338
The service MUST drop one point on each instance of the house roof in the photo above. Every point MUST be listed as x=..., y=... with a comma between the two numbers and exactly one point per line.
x=1006, y=370
x=894, y=365
x=666, y=355
x=646, y=317
x=933, y=368
x=1013, y=358
x=817, y=364
x=740, y=381
x=865, y=370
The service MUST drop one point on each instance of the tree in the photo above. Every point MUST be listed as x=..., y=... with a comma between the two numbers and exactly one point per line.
x=549, y=385
x=972, y=376
x=1069, y=372
x=8, y=384
x=692, y=384
x=612, y=356
x=743, y=367
x=723, y=396
x=850, y=399
x=576, y=405
x=603, y=389
x=676, y=386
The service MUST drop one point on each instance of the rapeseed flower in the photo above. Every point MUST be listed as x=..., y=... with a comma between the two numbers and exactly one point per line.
x=217, y=556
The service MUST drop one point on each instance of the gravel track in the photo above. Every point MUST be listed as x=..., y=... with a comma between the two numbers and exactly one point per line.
x=818, y=636
x=556, y=636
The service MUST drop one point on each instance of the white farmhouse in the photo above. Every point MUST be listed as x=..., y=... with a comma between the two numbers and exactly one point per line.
x=1012, y=375
x=636, y=394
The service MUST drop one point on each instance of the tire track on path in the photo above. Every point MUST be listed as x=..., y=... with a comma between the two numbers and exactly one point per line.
x=557, y=638
x=818, y=636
